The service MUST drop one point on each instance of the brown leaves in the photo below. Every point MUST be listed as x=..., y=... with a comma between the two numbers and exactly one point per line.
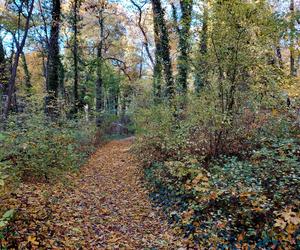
x=103, y=207
x=32, y=241
x=287, y=217
x=286, y=224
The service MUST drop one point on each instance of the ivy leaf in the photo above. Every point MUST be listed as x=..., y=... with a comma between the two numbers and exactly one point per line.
x=8, y=214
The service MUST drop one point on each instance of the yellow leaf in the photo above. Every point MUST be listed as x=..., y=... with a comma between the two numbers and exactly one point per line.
x=274, y=112
x=32, y=240
x=295, y=220
x=291, y=229
x=280, y=223
x=290, y=217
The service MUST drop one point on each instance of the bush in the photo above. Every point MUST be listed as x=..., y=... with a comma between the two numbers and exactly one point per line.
x=224, y=180
x=33, y=148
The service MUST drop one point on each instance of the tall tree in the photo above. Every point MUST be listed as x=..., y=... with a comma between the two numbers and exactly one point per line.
x=27, y=73
x=2, y=72
x=183, y=27
x=52, y=80
x=2, y=67
x=2, y=52
x=146, y=42
x=201, y=76
x=157, y=72
x=293, y=68
x=100, y=62
x=75, y=6
x=163, y=49
x=19, y=43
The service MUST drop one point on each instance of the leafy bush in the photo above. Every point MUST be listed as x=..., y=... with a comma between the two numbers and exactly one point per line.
x=233, y=201
x=36, y=149
x=225, y=180
x=4, y=221
x=32, y=148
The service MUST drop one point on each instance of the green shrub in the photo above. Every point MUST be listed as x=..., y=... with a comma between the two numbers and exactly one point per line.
x=225, y=180
x=34, y=148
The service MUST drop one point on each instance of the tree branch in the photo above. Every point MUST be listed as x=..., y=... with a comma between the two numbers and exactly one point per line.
x=146, y=40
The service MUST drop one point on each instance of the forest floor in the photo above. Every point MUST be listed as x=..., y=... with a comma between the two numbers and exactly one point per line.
x=103, y=206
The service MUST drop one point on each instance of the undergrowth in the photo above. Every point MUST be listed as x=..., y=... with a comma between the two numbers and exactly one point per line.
x=34, y=149
x=225, y=183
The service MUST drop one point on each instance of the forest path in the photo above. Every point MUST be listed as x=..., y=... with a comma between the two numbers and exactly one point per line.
x=105, y=206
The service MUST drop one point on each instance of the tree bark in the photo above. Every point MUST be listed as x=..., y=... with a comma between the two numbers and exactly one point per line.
x=27, y=74
x=183, y=29
x=53, y=63
x=2, y=74
x=279, y=57
x=293, y=68
x=99, y=82
x=76, y=6
x=19, y=46
x=146, y=40
x=157, y=72
x=201, y=76
x=164, y=50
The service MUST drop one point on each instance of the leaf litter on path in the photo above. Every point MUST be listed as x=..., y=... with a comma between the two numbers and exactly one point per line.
x=104, y=206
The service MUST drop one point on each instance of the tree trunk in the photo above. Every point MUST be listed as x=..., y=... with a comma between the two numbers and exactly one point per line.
x=53, y=63
x=141, y=63
x=2, y=75
x=157, y=72
x=158, y=17
x=99, y=82
x=2, y=53
x=61, y=77
x=76, y=6
x=12, y=80
x=279, y=57
x=183, y=29
x=27, y=74
x=201, y=76
x=140, y=25
x=293, y=68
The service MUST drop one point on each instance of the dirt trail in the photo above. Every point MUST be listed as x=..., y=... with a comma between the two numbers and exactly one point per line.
x=104, y=207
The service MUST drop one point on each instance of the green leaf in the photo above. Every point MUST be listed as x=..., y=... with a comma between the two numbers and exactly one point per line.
x=8, y=214
x=2, y=137
x=3, y=223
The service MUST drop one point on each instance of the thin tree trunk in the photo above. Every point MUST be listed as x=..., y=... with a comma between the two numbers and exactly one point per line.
x=76, y=6
x=116, y=103
x=157, y=72
x=141, y=63
x=52, y=81
x=293, y=68
x=27, y=73
x=279, y=57
x=201, y=76
x=12, y=80
x=99, y=82
x=2, y=74
x=61, y=77
x=146, y=40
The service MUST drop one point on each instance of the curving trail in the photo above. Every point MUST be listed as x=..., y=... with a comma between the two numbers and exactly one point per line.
x=103, y=207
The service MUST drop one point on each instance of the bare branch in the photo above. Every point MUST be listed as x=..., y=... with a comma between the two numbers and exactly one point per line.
x=146, y=40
